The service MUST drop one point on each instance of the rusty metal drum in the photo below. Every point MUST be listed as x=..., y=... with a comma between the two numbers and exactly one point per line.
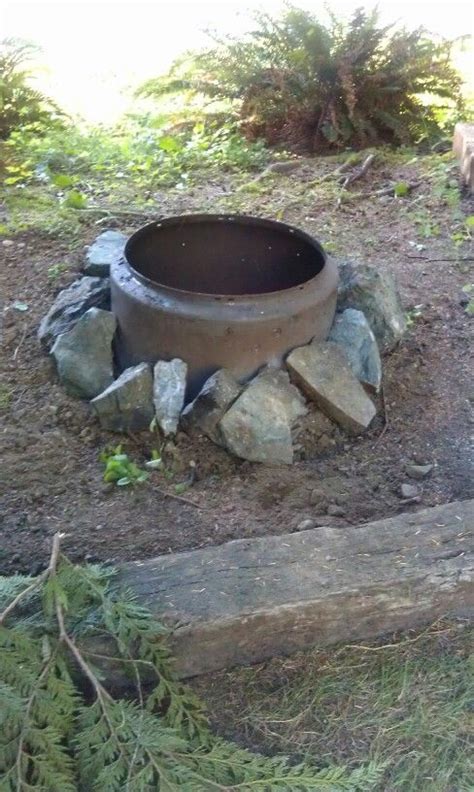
x=220, y=291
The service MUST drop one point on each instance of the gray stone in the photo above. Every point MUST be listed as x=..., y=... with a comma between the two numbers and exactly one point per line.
x=352, y=332
x=209, y=406
x=104, y=251
x=71, y=304
x=366, y=288
x=258, y=425
x=324, y=374
x=306, y=525
x=409, y=491
x=336, y=511
x=168, y=393
x=83, y=355
x=418, y=471
x=127, y=404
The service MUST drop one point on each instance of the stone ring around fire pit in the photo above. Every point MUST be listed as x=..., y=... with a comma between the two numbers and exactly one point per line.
x=220, y=291
x=224, y=325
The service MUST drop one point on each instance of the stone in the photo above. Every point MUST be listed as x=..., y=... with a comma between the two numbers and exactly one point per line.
x=71, y=304
x=83, y=355
x=409, y=491
x=418, y=471
x=127, y=404
x=318, y=498
x=306, y=525
x=104, y=251
x=203, y=414
x=352, y=332
x=368, y=289
x=258, y=425
x=169, y=388
x=323, y=373
x=336, y=511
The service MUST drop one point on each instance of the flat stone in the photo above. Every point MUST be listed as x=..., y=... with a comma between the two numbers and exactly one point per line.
x=258, y=425
x=409, y=491
x=368, y=289
x=83, y=355
x=323, y=372
x=209, y=406
x=168, y=393
x=352, y=332
x=104, y=251
x=127, y=404
x=71, y=304
x=418, y=471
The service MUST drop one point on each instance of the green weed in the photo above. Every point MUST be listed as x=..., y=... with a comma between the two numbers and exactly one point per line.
x=120, y=470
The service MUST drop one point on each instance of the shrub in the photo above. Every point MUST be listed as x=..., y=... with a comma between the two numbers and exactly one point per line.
x=20, y=103
x=298, y=81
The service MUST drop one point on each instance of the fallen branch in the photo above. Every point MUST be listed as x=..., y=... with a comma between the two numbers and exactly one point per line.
x=452, y=258
x=360, y=172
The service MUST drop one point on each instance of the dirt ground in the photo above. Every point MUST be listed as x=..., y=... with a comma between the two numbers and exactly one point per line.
x=50, y=474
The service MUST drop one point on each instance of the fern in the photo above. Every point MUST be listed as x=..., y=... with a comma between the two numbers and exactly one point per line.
x=61, y=729
x=311, y=84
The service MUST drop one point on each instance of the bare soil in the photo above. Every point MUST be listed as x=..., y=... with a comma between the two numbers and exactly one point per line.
x=50, y=474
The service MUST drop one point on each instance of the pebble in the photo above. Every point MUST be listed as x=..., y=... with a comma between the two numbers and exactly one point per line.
x=8, y=243
x=418, y=471
x=305, y=525
x=409, y=491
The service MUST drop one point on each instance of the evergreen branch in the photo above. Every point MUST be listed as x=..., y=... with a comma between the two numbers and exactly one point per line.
x=37, y=582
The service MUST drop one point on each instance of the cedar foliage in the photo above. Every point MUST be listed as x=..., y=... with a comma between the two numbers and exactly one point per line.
x=20, y=103
x=315, y=85
x=62, y=730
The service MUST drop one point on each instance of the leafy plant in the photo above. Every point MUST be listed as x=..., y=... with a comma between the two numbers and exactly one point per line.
x=311, y=84
x=469, y=290
x=62, y=730
x=120, y=469
x=20, y=103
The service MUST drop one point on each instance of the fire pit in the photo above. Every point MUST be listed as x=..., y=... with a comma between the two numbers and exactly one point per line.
x=226, y=291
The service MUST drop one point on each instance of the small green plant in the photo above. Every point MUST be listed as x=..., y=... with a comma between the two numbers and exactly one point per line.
x=5, y=397
x=56, y=270
x=120, y=470
x=414, y=314
x=469, y=290
x=62, y=729
x=401, y=189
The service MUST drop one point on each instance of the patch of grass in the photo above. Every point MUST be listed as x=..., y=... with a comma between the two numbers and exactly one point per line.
x=408, y=705
x=5, y=397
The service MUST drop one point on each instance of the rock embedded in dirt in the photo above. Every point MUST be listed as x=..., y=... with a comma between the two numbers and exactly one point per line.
x=127, y=404
x=409, y=491
x=323, y=372
x=203, y=414
x=83, y=355
x=306, y=525
x=336, y=511
x=258, y=425
x=418, y=471
x=71, y=304
x=104, y=251
x=368, y=289
x=168, y=393
x=352, y=332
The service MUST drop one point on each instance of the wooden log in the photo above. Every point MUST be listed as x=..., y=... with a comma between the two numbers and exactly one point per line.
x=250, y=599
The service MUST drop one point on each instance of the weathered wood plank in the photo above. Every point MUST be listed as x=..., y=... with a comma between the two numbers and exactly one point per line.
x=249, y=599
